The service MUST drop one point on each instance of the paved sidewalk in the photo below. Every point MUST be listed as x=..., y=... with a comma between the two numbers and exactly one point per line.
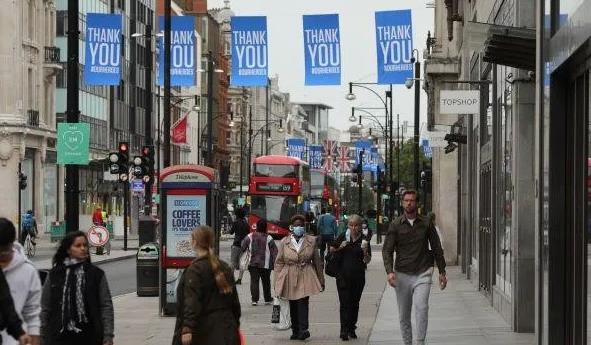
x=45, y=250
x=458, y=315
x=138, y=323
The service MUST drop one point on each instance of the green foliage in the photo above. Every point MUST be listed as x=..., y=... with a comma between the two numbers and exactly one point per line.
x=351, y=196
x=407, y=163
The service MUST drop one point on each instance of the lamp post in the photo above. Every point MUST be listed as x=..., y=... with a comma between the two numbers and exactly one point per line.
x=73, y=115
x=417, y=81
x=351, y=96
x=360, y=181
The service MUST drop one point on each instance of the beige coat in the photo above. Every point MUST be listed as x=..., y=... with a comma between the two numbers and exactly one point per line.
x=298, y=274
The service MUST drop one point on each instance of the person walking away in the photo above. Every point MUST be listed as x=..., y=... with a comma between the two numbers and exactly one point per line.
x=239, y=229
x=410, y=236
x=97, y=217
x=311, y=228
x=298, y=275
x=76, y=305
x=208, y=309
x=327, y=228
x=263, y=252
x=354, y=254
x=29, y=227
x=366, y=231
x=23, y=281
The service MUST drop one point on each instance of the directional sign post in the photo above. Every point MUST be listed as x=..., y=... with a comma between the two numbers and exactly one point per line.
x=72, y=143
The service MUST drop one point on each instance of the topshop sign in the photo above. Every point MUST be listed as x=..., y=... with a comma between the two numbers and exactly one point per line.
x=459, y=102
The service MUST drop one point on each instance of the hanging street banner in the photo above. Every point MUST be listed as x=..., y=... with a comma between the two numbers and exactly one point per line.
x=315, y=156
x=365, y=147
x=72, y=143
x=296, y=147
x=178, y=133
x=343, y=159
x=102, y=63
x=394, y=46
x=322, y=49
x=183, y=48
x=250, y=61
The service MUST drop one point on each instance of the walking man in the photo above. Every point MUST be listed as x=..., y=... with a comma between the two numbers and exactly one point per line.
x=239, y=229
x=327, y=229
x=410, y=236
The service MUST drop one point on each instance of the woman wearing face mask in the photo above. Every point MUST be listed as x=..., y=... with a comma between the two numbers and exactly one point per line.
x=76, y=306
x=298, y=275
x=355, y=253
x=366, y=231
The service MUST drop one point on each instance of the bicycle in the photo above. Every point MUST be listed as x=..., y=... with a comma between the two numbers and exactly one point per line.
x=30, y=248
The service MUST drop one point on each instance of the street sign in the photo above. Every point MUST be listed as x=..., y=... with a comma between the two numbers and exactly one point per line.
x=137, y=185
x=241, y=201
x=98, y=236
x=459, y=102
x=72, y=143
x=231, y=185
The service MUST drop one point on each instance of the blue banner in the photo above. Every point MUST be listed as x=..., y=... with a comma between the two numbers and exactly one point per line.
x=322, y=49
x=365, y=147
x=102, y=63
x=394, y=46
x=183, y=57
x=315, y=156
x=250, y=61
x=296, y=147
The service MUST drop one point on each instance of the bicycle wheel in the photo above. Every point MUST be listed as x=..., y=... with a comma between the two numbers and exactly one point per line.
x=29, y=247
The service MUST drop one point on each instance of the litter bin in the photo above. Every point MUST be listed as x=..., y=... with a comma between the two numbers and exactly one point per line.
x=147, y=270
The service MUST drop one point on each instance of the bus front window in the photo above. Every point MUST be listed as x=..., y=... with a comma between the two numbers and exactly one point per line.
x=275, y=170
x=275, y=209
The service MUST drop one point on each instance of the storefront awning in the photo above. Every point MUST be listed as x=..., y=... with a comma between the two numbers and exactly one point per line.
x=503, y=45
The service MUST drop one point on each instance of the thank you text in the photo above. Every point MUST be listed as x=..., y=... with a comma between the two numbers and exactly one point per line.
x=394, y=46
x=249, y=51
x=102, y=63
x=322, y=49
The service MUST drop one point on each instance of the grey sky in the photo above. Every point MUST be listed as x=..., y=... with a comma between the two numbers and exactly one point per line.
x=358, y=50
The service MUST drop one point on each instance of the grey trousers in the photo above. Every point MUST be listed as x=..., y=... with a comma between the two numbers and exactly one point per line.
x=413, y=290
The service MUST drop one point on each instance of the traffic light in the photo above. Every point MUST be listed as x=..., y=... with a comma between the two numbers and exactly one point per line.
x=123, y=161
x=22, y=181
x=456, y=138
x=148, y=157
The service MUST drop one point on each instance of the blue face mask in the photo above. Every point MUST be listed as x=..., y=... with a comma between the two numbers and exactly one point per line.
x=298, y=231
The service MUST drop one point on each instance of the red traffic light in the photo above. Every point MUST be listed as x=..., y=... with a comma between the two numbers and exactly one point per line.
x=146, y=151
x=123, y=147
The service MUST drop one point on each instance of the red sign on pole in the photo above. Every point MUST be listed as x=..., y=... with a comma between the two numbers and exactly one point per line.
x=179, y=131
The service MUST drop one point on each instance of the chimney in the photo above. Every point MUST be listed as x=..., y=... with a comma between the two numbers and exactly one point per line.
x=194, y=6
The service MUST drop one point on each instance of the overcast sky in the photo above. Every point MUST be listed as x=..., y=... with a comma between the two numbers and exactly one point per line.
x=358, y=50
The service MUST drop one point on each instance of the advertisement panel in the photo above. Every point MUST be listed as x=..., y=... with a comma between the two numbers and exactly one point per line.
x=394, y=46
x=322, y=49
x=296, y=147
x=184, y=213
x=102, y=63
x=73, y=142
x=250, y=61
x=183, y=51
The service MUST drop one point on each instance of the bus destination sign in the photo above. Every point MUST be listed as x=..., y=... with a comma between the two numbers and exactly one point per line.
x=274, y=187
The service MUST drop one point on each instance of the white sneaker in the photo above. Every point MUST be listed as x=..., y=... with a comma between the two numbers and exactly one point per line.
x=254, y=304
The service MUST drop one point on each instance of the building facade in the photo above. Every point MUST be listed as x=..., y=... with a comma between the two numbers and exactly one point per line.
x=30, y=62
x=490, y=180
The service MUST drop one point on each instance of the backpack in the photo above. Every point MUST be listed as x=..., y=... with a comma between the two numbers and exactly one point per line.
x=28, y=221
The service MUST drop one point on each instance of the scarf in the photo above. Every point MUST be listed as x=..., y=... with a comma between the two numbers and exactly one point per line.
x=73, y=308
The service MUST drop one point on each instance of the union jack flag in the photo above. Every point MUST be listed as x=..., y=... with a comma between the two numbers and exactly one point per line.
x=328, y=166
x=343, y=158
x=330, y=147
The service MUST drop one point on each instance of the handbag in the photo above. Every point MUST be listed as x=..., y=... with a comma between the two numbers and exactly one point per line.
x=284, y=317
x=245, y=260
x=332, y=266
x=241, y=337
x=276, y=311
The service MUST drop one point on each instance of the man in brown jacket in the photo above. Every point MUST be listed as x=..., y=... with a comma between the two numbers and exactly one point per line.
x=410, y=236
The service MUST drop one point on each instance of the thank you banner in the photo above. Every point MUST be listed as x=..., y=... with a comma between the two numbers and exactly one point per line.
x=102, y=63
x=250, y=61
x=183, y=51
x=394, y=46
x=296, y=147
x=362, y=150
x=322, y=49
x=315, y=156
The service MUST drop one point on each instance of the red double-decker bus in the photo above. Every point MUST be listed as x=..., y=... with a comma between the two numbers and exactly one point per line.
x=279, y=188
x=325, y=192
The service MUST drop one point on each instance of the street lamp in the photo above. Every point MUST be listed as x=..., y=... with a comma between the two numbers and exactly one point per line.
x=352, y=118
x=417, y=82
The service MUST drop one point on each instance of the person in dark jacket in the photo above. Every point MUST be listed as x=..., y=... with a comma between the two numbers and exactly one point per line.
x=263, y=252
x=353, y=251
x=208, y=309
x=239, y=229
x=76, y=305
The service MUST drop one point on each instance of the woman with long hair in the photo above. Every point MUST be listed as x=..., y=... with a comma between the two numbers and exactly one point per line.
x=298, y=275
x=76, y=305
x=208, y=309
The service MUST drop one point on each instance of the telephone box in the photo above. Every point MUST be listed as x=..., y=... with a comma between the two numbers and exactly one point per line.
x=189, y=199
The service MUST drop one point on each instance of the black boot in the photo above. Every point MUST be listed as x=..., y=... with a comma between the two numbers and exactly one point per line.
x=352, y=334
x=304, y=335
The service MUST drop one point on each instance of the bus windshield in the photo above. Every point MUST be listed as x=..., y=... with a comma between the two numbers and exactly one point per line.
x=275, y=209
x=276, y=170
x=317, y=182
